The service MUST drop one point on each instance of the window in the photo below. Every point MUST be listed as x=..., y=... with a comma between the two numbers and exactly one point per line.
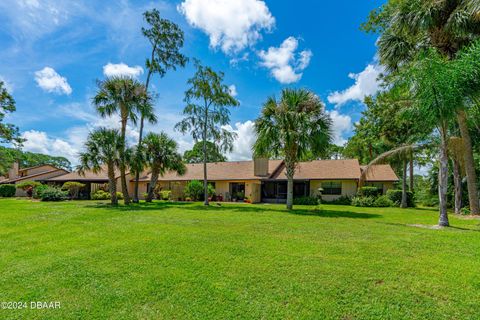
x=377, y=185
x=332, y=188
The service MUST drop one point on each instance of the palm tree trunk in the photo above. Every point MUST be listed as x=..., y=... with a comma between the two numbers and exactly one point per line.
x=469, y=162
x=404, y=203
x=457, y=180
x=290, y=174
x=112, y=184
x=140, y=137
x=123, y=177
x=153, y=184
x=443, y=178
x=412, y=176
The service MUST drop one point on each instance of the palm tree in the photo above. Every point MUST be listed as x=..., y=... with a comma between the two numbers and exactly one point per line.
x=125, y=97
x=162, y=156
x=411, y=26
x=103, y=149
x=292, y=128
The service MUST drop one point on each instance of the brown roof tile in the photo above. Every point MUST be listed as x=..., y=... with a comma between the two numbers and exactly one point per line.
x=380, y=172
x=324, y=170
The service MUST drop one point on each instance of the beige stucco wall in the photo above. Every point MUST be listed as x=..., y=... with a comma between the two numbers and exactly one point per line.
x=349, y=189
x=387, y=186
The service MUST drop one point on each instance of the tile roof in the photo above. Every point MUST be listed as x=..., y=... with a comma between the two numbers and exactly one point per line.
x=237, y=170
x=324, y=170
x=380, y=172
x=33, y=177
x=88, y=175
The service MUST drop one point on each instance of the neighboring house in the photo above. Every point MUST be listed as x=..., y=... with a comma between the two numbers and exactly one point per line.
x=93, y=181
x=39, y=173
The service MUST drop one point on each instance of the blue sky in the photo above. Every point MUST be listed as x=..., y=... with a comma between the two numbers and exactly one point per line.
x=54, y=50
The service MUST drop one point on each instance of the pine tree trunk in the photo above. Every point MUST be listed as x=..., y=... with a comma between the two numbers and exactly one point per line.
x=140, y=136
x=404, y=203
x=469, y=162
x=457, y=180
x=153, y=184
x=112, y=183
x=123, y=177
x=443, y=179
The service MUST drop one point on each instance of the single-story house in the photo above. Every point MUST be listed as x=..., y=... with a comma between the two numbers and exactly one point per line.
x=261, y=180
x=265, y=180
x=39, y=173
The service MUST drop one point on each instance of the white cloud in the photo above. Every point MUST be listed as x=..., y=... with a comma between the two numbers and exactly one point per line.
x=233, y=90
x=122, y=69
x=342, y=124
x=366, y=83
x=49, y=80
x=242, y=146
x=231, y=25
x=40, y=142
x=285, y=64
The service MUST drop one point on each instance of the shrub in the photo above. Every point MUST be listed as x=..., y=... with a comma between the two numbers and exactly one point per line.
x=370, y=192
x=396, y=197
x=383, y=201
x=306, y=201
x=363, y=201
x=342, y=201
x=465, y=211
x=7, y=190
x=53, y=194
x=100, y=195
x=165, y=194
x=194, y=190
x=73, y=188
x=119, y=195
x=37, y=192
x=28, y=186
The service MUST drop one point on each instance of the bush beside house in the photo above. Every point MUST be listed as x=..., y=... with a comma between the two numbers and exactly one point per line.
x=7, y=190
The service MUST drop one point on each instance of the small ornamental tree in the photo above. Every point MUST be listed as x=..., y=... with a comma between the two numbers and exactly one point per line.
x=73, y=188
x=28, y=186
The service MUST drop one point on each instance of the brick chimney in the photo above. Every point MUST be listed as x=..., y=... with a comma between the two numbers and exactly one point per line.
x=13, y=172
x=260, y=167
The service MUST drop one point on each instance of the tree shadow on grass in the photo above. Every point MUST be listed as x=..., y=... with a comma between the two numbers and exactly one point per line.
x=225, y=208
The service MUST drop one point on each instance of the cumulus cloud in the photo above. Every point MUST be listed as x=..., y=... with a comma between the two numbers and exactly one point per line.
x=342, y=125
x=49, y=80
x=242, y=146
x=285, y=64
x=230, y=25
x=366, y=83
x=233, y=90
x=40, y=142
x=122, y=69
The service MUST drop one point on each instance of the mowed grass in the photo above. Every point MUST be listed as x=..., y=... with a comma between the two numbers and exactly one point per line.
x=184, y=261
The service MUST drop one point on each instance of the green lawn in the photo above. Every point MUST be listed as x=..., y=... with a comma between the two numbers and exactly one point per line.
x=182, y=261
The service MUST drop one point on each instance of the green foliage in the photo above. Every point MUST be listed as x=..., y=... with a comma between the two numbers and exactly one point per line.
x=7, y=190
x=465, y=211
x=363, y=201
x=28, y=159
x=211, y=191
x=195, y=155
x=206, y=113
x=8, y=132
x=165, y=194
x=370, y=192
x=343, y=201
x=104, y=195
x=37, y=192
x=396, y=197
x=26, y=185
x=306, y=201
x=73, y=188
x=194, y=190
x=383, y=201
x=53, y=194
